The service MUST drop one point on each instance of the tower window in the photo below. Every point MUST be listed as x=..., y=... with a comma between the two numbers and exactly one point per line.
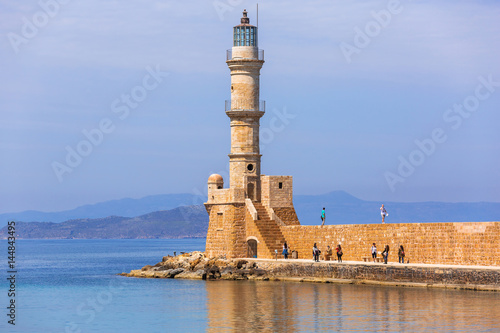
x=280, y=185
x=250, y=167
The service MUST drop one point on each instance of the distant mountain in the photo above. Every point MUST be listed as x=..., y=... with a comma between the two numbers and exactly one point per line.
x=124, y=207
x=181, y=222
x=341, y=208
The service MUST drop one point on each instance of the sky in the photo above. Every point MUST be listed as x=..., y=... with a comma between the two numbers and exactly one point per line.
x=386, y=100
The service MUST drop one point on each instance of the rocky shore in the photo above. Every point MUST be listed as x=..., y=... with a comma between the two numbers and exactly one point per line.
x=196, y=265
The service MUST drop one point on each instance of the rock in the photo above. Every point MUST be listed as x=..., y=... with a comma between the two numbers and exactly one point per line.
x=162, y=268
x=195, y=262
x=174, y=272
x=200, y=265
x=259, y=272
x=213, y=273
x=227, y=273
x=147, y=268
x=239, y=263
x=197, y=275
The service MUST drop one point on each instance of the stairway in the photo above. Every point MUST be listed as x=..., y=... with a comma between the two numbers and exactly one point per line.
x=269, y=230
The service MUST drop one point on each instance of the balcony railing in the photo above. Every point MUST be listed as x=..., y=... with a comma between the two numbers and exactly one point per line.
x=244, y=105
x=229, y=55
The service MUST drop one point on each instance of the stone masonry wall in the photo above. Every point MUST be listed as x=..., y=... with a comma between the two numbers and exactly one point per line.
x=465, y=243
x=272, y=195
x=226, y=231
x=287, y=215
x=461, y=277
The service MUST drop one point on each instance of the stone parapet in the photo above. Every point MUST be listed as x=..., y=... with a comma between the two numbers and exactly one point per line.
x=471, y=243
x=227, y=195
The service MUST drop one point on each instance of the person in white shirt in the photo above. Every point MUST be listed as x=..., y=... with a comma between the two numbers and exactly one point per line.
x=374, y=252
x=384, y=213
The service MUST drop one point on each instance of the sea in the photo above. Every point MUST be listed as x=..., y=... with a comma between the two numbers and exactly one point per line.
x=73, y=286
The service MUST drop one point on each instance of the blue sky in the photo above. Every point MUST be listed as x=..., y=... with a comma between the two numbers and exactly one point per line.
x=387, y=100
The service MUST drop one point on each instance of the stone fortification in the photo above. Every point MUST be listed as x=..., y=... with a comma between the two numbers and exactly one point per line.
x=471, y=243
x=254, y=216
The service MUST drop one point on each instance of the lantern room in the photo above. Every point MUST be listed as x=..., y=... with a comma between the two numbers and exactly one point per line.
x=245, y=34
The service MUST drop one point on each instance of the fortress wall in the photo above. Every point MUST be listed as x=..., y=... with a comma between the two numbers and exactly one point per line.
x=225, y=235
x=464, y=243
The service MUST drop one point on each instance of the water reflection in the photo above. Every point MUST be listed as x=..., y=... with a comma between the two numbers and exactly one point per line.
x=305, y=307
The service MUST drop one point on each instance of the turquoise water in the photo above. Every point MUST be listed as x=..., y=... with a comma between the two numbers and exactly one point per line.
x=71, y=286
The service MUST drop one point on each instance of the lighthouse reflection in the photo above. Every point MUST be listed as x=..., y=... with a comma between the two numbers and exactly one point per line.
x=305, y=307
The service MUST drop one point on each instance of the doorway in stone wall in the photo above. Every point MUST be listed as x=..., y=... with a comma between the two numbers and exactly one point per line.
x=252, y=248
x=251, y=191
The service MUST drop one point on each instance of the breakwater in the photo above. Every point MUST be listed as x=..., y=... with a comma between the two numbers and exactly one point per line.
x=196, y=265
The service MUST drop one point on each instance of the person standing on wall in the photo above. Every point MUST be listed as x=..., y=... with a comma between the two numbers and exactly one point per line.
x=339, y=253
x=316, y=253
x=401, y=254
x=323, y=217
x=384, y=213
x=385, y=253
x=285, y=251
x=374, y=252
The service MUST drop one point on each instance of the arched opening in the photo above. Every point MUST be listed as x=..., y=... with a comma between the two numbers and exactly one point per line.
x=251, y=191
x=252, y=248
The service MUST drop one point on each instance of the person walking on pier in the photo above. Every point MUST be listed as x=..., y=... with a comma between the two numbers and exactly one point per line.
x=374, y=252
x=401, y=254
x=339, y=253
x=323, y=217
x=316, y=253
x=385, y=253
x=384, y=213
x=285, y=251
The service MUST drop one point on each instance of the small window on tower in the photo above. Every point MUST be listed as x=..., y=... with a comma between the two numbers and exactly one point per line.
x=250, y=167
x=280, y=185
x=232, y=88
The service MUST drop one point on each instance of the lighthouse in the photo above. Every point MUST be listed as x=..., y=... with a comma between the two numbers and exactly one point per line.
x=245, y=218
x=245, y=109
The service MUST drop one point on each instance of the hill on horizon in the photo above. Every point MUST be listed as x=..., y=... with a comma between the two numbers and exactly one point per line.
x=341, y=208
x=181, y=222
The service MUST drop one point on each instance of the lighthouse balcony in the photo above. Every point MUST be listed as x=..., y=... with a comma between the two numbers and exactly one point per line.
x=257, y=55
x=244, y=105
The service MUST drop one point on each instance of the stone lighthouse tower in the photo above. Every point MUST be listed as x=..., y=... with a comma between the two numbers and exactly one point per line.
x=245, y=109
x=245, y=219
